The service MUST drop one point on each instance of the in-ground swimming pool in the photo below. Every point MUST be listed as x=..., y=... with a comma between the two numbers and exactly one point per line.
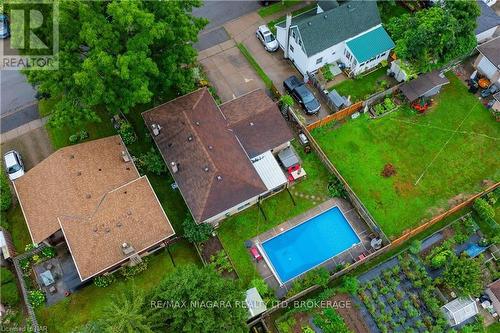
x=309, y=244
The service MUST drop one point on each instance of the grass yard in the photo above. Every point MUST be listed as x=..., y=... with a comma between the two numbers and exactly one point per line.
x=362, y=87
x=18, y=228
x=277, y=7
x=237, y=229
x=435, y=166
x=389, y=10
x=88, y=303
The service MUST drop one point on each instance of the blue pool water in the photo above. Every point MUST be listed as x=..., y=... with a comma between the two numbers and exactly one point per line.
x=309, y=244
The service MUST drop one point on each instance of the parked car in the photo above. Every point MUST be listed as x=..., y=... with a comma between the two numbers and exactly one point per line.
x=302, y=94
x=267, y=38
x=4, y=26
x=14, y=165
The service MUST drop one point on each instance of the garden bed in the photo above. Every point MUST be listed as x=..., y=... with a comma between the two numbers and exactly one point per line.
x=213, y=253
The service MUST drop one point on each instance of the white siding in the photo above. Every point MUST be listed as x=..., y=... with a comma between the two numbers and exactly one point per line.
x=281, y=37
x=233, y=210
x=487, y=68
x=485, y=35
x=328, y=56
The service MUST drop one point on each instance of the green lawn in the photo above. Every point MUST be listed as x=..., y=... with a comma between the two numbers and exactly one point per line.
x=277, y=7
x=88, y=303
x=433, y=164
x=362, y=87
x=493, y=328
x=18, y=228
x=237, y=229
x=389, y=10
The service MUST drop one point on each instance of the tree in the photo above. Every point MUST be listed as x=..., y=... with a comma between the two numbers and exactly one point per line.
x=196, y=299
x=126, y=314
x=152, y=162
x=415, y=246
x=484, y=209
x=463, y=275
x=350, y=284
x=433, y=37
x=117, y=54
x=196, y=233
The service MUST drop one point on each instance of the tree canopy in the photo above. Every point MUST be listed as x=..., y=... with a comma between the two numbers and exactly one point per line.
x=196, y=299
x=117, y=54
x=433, y=37
x=463, y=274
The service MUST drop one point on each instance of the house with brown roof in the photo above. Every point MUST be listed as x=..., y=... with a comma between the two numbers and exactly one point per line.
x=221, y=157
x=91, y=197
x=487, y=62
x=493, y=291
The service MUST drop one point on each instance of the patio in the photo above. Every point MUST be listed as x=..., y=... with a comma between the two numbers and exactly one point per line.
x=58, y=276
x=349, y=256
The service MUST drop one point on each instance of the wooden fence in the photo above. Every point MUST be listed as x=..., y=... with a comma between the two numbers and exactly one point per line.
x=414, y=231
x=346, y=112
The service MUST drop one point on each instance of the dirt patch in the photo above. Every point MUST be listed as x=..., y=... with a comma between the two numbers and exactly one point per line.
x=458, y=199
x=209, y=251
x=389, y=170
x=403, y=189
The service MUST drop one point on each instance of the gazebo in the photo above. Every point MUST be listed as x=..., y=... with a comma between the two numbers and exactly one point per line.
x=460, y=310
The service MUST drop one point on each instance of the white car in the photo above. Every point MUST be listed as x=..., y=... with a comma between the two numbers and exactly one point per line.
x=13, y=164
x=267, y=38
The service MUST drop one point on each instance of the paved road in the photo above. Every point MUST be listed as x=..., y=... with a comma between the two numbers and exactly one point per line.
x=18, y=105
x=220, y=12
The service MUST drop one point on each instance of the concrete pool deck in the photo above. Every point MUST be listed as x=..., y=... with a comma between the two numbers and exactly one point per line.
x=349, y=256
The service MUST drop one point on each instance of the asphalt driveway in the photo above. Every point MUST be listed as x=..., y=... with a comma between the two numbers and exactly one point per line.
x=33, y=145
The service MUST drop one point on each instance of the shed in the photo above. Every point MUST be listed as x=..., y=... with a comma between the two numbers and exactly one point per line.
x=336, y=99
x=425, y=85
x=288, y=157
x=460, y=310
x=254, y=303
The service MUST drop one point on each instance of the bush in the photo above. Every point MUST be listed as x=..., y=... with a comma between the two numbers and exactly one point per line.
x=126, y=132
x=5, y=194
x=415, y=246
x=73, y=138
x=196, y=233
x=318, y=276
x=36, y=298
x=327, y=73
x=30, y=247
x=220, y=262
x=25, y=264
x=6, y=276
x=83, y=134
x=388, y=171
x=152, y=162
x=389, y=104
x=48, y=252
x=350, y=284
x=336, y=188
x=131, y=271
x=379, y=109
x=483, y=209
x=102, y=281
x=286, y=100
x=9, y=294
x=263, y=289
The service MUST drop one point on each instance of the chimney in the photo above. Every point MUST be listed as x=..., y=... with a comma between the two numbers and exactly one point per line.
x=174, y=167
x=287, y=29
x=125, y=156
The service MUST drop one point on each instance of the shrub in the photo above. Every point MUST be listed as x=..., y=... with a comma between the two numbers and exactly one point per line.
x=6, y=276
x=415, y=246
x=36, y=298
x=9, y=294
x=483, y=209
x=131, y=271
x=25, y=264
x=152, y=162
x=350, y=284
x=73, y=138
x=441, y=258
x=307, y=329
x=30, y=247
x=492, y=198
x=263, y=289
x=220, y=262
x=389, y=104
x=318, y=276
x=336, y=188
x=286, y=101
x=330, y=321
x=49, y=252
x=102, y=281
x=5, y=194
x=379, y=109
x=464, y=275
x=389, y=170
x=327, y=73
x=196, y=233
x=126, y=132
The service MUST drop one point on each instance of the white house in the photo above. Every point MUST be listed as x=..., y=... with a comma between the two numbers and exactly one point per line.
x=350, y=33
x=488, y=60
x=487, y=23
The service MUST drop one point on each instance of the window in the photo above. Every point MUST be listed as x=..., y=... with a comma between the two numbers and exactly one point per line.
x=319, y=60
x=361, y=64
x=291, y=48
x=293, y=34
x=354, y=62
x=333, y=53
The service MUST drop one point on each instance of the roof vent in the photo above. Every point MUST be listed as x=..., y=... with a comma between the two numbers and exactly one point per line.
x=309, y=23
x=127, y=249
x=219, y=178
x=79, y=173
x=125, y=156
x=71, y=156
x=107, y=230
x=100, y=169
x=129, y=212
x=124, y=192
x=174, y=166
x=326, y=16
x=156, y=129
x=119, y=224
x=251, y=123
x=95, y=229
x=190, y=138
x=88, y=196
x=206, y=169
x=210, y=147
x=197, y=123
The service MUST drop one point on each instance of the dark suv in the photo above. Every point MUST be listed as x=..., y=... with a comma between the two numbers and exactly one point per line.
x=302, y=95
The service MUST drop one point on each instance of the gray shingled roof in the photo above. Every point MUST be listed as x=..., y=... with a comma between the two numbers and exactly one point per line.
x=488, y=18
x=321, y=31
x=491, y=50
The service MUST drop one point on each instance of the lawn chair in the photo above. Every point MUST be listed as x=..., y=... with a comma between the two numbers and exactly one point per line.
x=255, y=254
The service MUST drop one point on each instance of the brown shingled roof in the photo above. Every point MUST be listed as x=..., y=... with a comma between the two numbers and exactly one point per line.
x=129, y=214
x=214, y=172
x=424, y=83
x=257, y=122
x=495, y=288
x=71, y=181
x=77, y=187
